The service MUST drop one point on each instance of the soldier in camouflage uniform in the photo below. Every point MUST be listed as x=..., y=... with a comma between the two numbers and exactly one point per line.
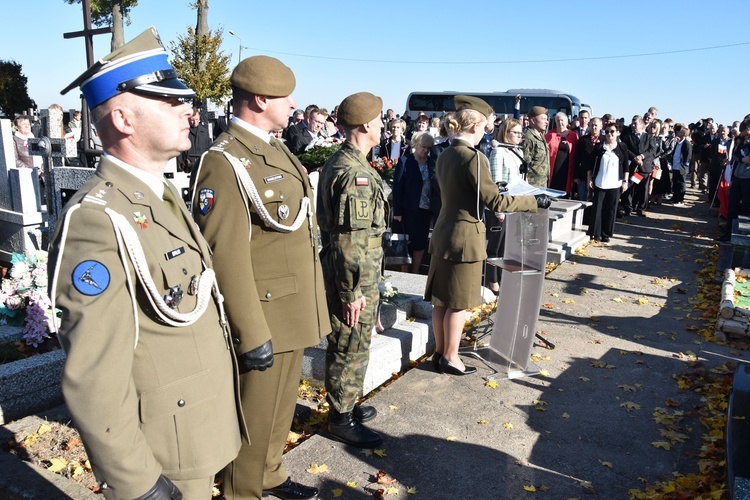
x=535, y=148
x=352, y=213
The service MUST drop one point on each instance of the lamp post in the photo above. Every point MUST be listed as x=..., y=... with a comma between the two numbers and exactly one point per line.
x=241, y=47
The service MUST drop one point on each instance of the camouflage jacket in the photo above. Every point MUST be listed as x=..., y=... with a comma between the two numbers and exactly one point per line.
x=536, y=154
x=352, y=212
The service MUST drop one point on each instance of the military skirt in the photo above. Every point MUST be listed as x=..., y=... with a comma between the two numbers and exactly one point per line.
x=457, y=285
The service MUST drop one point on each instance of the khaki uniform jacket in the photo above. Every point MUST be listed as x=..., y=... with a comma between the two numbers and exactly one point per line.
x=287, y=302
x=459, y=235
x=352, y=213
x=536, y=153
x=147, y=398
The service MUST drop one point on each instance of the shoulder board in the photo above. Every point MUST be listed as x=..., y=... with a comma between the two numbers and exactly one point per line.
x=98, y=196
x=223, y=144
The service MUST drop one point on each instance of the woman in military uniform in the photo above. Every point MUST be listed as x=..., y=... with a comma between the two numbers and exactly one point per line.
x=458, y=239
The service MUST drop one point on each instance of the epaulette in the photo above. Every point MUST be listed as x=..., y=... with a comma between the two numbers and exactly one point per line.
x=99, y=195
x=223, y=144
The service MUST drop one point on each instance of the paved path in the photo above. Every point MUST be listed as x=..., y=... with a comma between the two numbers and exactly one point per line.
x=584, y=431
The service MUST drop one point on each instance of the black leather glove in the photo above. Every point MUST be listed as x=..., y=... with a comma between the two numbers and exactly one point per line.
x=259, y=358
x=164, y=489
x=543, y=201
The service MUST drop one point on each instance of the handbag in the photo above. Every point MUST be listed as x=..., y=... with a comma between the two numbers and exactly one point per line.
x=397, y=253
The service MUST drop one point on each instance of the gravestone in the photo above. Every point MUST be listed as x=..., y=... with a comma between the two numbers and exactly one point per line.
x=21, y=214
x=61, y=181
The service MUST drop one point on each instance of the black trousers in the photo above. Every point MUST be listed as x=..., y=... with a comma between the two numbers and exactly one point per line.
x=604, y=212
x=678, y=186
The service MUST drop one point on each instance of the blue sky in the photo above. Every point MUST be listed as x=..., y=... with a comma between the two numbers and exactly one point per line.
x=393, y=48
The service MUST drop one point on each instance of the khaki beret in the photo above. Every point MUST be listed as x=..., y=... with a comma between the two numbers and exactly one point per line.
x=536, y=111
x=462, y=102
x=263, y=75
x=139, y=66
x=359, y=108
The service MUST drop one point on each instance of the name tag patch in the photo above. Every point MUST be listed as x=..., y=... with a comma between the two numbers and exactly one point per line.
x=273, y=178
x=174, y=253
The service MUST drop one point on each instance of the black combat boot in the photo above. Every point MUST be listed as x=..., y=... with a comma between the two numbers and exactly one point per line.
x=347, y=429
x=365, y=413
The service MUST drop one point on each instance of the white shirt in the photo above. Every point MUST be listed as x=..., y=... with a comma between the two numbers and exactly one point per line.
x=261, y=134
x=608, y=176
x=677, y=157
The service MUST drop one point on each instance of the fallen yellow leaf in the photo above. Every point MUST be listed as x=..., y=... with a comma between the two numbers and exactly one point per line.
x=584, y=379
x=351, y=484
x=451, y=438
x=642, y=300
x=606, y=464
x=529, y=488
x=565, y=415
x=380, y=453
x=58, y=464
x=44, y=429
x=337, y=492
x=544, y=373
x=491, y=384
x=630, y=406
x=393, y=407
x=77, y=471
x=483, y=422
x=661, y=444
x=508, y=425
x=569, y=301
x=619, y=299
x=317, y=469
x=391, y=490
x=411, y=490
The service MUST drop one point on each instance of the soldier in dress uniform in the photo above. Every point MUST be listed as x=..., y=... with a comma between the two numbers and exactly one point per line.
x=149, y=376
x=352, y=213
x=253, y=203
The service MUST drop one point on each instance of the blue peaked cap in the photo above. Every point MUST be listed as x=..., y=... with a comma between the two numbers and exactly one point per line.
x=140, y=66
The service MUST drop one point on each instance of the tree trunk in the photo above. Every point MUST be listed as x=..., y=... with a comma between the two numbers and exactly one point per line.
x=201, y=31
x=118, y=30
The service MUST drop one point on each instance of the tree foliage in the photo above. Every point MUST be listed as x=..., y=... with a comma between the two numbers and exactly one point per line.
x=14, y=94
x=201, y=65
x=115, y=13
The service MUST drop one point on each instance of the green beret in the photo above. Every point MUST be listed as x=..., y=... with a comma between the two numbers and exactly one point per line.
x=462, y=102
x=263, y=75
x=536, y=111
x=360, y=108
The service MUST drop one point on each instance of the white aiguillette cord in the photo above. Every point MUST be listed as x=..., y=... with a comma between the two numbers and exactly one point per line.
x=243, y=178
x=127, y=239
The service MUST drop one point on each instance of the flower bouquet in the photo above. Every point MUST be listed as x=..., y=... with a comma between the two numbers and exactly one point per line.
x=385, y=168
x=23, y=297
x=316, y=155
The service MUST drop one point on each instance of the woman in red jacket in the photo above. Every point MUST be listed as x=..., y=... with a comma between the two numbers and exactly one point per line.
x=562, y=154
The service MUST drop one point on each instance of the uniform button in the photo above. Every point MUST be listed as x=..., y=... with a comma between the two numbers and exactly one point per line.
x=236, y=340
x=184, y=271
x=181, y=403
x=281, y=196
x=268, y=295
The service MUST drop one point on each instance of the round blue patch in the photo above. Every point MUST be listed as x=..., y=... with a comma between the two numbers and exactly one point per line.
x=91, y=277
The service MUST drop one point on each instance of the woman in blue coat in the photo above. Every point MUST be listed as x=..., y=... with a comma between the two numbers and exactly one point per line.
x=415, y=195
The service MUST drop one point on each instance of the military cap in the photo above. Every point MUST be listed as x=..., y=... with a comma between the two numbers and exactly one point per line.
x=536, y=111
x=139, y=66
x=263, y=75
x=359, y=108
x=470, y=102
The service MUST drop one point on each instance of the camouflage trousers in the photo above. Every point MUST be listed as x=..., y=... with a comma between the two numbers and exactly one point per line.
x=349, y=351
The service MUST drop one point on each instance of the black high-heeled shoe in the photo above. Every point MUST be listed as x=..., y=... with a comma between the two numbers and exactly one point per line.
x=451, y=369
x=436, y=362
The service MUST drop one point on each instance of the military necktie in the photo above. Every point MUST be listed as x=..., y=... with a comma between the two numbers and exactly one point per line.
x=174, y=207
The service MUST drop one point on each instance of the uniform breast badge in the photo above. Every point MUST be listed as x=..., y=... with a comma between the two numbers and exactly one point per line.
x=283, y=212
x=140, y=219
x=245, y=162
x=205, y=200
x=193, y=286
x=174, y=297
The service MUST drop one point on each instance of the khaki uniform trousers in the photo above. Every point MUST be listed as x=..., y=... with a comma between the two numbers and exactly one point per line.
x=269, y=399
